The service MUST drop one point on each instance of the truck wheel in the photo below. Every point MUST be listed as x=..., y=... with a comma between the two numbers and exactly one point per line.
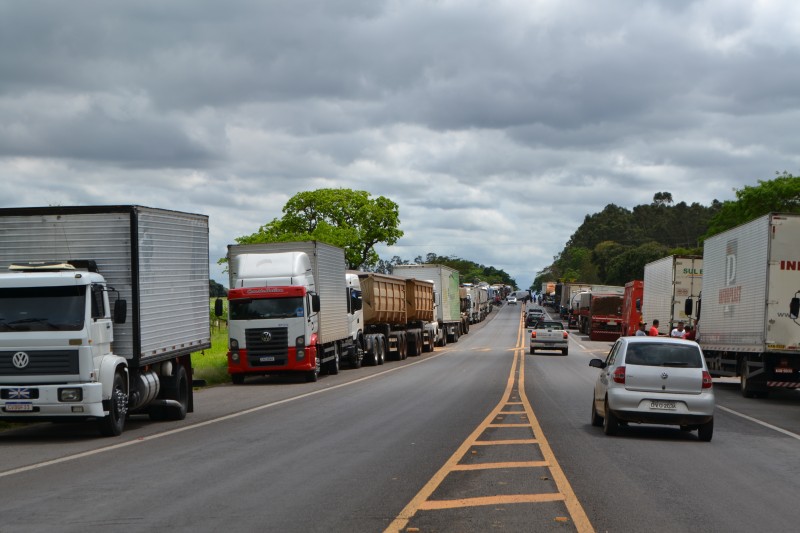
x=380, y=342
x=172, y=388
x=745, y=384
x=237, y=379
x=113, y=423
x=333, y=365
x=358, y=353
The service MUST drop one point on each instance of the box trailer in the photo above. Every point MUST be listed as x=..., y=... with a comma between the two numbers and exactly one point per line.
x=748, y=324
x=668, y=283
x=64, y=354
x=448, y=304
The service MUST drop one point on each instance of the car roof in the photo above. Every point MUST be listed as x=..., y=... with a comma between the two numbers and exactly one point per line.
x=646, y=339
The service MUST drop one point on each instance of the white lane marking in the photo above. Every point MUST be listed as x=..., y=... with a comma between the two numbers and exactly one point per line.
x=231, y=416
x=759, y=422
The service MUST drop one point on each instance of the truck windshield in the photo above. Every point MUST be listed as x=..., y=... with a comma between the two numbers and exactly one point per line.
x=256, y=309
x=42, y=308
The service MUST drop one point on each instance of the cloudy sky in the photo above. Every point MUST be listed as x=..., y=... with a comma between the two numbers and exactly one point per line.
x=496, y=125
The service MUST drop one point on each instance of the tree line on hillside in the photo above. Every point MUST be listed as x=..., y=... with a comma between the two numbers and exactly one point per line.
x=613, y=246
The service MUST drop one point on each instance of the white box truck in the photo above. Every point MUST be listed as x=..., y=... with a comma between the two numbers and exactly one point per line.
x=289, y=306
x=748, y=324
x=668, y=283
x=448, y=304
x=100, y=310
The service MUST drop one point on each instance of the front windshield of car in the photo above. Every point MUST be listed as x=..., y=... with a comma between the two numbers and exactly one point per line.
x=42, y=308
x=265, y=308
x=663, y=354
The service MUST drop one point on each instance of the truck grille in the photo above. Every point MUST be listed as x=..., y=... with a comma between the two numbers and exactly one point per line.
x=40, y=362
x=265, y=343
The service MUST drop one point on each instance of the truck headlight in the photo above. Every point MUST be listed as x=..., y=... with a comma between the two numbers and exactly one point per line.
x=72, y=394
x=234, y=345
x=300, y=344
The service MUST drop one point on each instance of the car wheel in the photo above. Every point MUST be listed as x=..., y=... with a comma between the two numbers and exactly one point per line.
x=532, y=351
x=706, y=431
x=610, y=422
x=597, y=420
x=564, y=352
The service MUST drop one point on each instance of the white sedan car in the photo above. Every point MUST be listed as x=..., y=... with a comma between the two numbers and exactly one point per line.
x=654, y=380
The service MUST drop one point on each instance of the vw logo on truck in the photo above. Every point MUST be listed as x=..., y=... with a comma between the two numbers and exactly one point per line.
x=266, y=336
x=20, y=360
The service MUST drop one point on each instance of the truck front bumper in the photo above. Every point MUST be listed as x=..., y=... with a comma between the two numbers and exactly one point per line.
x=78, y=400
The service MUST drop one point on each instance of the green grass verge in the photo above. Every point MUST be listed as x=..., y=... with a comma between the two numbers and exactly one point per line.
x=212, y=364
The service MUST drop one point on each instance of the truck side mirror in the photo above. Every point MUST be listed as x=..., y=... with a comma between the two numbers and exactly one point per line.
x=794, y=308
x=688, y=307
x=218, y=309
x=120, y=311
x=315, y=307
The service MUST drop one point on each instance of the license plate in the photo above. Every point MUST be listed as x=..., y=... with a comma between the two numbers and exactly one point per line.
x=612, y=322
x=267, y=359
x=549, y=344
x=784, y=370
x=662, y=404
x=17, y=407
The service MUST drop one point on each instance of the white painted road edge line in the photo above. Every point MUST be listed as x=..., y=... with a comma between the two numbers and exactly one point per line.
x=760, y=423
x=231, y=416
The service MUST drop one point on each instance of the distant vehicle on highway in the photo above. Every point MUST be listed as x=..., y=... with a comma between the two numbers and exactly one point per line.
x=534, y=316
x=549, y=335
x=512, y=300
x=654, y=380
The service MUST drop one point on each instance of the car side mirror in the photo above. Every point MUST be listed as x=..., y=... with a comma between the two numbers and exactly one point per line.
x=597, y=363
x=794, y=308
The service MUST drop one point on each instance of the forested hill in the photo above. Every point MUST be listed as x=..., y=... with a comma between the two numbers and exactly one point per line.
x=611, y=247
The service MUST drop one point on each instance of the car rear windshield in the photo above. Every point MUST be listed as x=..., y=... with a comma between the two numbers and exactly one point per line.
x=552, y=325
x=655, y=354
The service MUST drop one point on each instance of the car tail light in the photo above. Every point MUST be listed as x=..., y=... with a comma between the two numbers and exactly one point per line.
x=533, y=334
x=707, y=381
x=619, y=375
x=565, y=334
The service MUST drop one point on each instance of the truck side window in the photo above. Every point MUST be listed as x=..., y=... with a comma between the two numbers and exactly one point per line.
x=97, y=302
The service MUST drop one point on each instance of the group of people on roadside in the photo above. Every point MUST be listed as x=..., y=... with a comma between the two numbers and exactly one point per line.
x=681, y=331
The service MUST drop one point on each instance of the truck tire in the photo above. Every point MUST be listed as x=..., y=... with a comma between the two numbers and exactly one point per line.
x=173, y=388
x=358, y=353
x=380, y=342
x=333, y=364
x=113, y=423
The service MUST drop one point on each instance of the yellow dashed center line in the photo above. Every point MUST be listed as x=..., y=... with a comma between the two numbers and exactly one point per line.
x=512, y=396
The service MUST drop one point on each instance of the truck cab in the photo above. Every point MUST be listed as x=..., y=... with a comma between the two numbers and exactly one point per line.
x=273, y=314
x=56, y=334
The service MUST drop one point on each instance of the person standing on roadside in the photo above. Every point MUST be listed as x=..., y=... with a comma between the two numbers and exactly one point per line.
x=642, y=331
x=689, y=335
x=678, y=331
x=654, y=328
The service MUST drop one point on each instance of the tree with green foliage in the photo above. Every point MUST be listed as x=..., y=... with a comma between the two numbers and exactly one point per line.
x=349, y=219
x=781, y=194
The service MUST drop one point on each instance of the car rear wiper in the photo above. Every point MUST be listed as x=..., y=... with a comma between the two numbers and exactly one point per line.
x=674, y=363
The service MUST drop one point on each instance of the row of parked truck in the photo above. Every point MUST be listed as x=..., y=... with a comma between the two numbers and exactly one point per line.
x=742, y=298
x=101, y=308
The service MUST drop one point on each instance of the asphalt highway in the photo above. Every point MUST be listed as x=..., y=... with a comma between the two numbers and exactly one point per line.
x=477, y=436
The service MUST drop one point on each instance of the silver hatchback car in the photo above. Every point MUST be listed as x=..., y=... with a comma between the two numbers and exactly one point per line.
x=654, y=380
